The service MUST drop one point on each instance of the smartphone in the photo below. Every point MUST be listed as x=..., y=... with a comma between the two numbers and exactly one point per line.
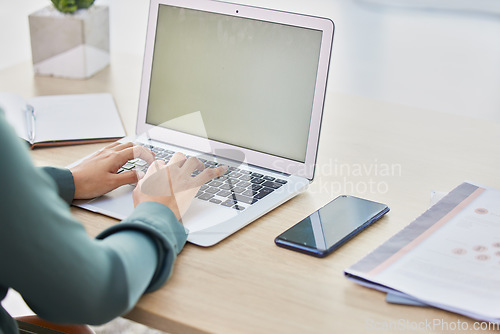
x=331, y=226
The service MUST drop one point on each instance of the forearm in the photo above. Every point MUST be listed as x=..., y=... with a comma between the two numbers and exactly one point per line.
x=140, y=256
x=97, y=280
x=97, y=293
x=160, y=223
x=48, y=257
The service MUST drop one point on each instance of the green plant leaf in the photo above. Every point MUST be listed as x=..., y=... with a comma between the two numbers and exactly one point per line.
x=84, y=3
x=69, y=6
x=65, y=6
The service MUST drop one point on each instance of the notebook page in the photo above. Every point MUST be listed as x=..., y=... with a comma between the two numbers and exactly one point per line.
x=74, y=117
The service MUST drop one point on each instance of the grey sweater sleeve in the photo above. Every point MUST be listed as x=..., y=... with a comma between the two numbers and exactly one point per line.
x=63, y=180
x=47, y=256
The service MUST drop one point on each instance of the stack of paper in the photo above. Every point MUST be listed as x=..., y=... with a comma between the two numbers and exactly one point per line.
x=449, y=257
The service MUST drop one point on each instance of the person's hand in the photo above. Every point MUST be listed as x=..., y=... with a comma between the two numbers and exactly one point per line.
x=172, y=184
x=96, y=175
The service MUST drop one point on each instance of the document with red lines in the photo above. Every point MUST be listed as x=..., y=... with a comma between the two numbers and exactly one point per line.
x=449, y=257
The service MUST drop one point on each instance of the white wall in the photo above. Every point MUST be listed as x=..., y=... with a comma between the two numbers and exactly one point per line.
x=438, y=58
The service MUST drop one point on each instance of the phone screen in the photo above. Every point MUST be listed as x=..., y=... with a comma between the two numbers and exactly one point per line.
x=331, y=226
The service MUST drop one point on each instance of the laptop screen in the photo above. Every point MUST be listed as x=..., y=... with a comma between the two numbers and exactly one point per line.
x=252, y=81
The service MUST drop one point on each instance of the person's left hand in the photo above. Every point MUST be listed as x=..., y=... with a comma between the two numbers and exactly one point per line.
x=96, y=175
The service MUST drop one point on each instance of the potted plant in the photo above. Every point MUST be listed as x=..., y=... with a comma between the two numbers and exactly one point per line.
x=70, y=38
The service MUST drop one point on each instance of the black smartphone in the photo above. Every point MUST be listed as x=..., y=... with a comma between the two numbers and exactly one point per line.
x=331, y=226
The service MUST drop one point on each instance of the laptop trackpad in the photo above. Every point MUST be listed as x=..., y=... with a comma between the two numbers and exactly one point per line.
x=202, y=215
x=119, y=204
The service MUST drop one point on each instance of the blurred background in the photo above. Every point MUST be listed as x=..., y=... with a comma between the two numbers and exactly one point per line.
x=441, y=55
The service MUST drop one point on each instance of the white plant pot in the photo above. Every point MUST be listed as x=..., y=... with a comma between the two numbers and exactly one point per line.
x=69, y=45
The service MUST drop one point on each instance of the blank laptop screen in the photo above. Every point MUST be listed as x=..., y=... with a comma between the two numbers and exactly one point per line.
x=252, y=81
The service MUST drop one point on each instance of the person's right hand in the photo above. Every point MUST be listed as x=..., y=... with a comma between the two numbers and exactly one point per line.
x=172, y=184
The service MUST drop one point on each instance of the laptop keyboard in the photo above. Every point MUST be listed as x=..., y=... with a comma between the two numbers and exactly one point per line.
x=237, y=189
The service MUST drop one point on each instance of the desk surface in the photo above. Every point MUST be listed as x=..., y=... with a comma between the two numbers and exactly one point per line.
x=245, y=284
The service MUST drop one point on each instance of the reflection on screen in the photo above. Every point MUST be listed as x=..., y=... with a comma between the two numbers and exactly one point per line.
x=332, y=223
x=252, y=81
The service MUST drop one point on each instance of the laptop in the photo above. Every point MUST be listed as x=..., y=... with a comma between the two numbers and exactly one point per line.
x=235, y=85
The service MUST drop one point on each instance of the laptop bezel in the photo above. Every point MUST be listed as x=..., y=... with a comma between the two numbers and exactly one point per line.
x=302, y=169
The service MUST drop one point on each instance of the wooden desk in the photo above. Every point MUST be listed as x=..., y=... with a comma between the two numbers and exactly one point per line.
x=245, y=284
